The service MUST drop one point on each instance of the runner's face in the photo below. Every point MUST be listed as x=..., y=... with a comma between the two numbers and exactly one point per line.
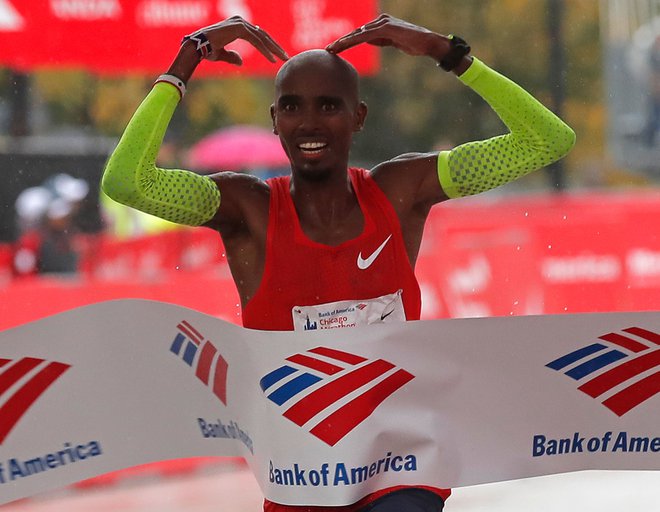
x=315, y=115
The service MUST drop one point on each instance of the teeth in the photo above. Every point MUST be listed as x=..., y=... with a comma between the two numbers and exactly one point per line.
x=312, y=145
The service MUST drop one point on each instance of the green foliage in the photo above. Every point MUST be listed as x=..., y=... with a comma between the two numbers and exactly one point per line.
x=67, y=95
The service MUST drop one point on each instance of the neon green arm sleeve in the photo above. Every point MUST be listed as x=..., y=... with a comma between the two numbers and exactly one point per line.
x=537, y=138
x=132, y=178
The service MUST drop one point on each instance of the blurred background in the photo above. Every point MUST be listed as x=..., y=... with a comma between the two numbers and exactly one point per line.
x=580, y=236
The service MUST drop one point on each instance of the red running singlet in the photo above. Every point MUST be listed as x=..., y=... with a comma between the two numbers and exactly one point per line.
x=301, y=272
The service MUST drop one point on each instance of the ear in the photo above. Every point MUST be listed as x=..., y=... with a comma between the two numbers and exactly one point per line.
x=272, y=117
x=360, y=116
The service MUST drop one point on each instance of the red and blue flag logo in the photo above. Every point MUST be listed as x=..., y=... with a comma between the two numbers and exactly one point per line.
x=201, y=355
x=620, y=370
x=330, y=392
x=22, y=382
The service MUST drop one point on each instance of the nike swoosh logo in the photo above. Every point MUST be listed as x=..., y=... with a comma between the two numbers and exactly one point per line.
x=364, y=264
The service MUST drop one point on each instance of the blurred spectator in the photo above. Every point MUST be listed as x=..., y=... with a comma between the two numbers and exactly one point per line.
x=644, y=59
x=653, y=130
x=46, y=221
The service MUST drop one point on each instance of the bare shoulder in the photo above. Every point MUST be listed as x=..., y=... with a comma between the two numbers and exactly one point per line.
x=246, y=183
x=244, y=202
x=410, y=179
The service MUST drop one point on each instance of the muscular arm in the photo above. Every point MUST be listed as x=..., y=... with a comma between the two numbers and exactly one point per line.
x=132, y=178
x=537, y=138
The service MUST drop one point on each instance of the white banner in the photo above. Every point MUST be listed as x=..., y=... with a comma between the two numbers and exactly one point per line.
x=325, y=417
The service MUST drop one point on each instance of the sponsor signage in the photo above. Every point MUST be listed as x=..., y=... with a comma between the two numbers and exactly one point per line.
x=336, y=375
x=621, y=369
x=22, y=382
x=325, y=417
x=128, y=36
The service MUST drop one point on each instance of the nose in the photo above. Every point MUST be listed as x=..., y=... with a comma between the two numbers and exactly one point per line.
x=309, y=120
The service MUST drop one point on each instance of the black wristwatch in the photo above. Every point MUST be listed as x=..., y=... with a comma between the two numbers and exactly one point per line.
x=459, y=49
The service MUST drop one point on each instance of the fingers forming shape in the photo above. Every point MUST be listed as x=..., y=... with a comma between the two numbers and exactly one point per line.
x=367, y=33
x=223, y=33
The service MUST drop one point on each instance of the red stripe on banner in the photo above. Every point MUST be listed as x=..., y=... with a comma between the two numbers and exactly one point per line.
x=205, y=360
x=343, y=420
x=624, y=342
x=196, y=333
x=14, y=373
x=315, y=364
x=634, y=395
x=338, y=355
x=605, y=381
x=643, y=333
x=309, y=406
x=22, y=400
x=220, y=379
x=4, y=362
x=190, y=335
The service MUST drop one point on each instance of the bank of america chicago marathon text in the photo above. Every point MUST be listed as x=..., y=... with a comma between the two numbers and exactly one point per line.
x=622, y=442
x=15, y=468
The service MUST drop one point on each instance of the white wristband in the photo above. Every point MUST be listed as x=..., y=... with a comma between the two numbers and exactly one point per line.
x=175, y=81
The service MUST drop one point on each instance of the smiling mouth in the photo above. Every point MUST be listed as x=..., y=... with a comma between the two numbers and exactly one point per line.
x=312, y=148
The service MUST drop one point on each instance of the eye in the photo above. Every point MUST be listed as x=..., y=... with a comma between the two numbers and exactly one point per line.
x=289, y=107
x=329, y=106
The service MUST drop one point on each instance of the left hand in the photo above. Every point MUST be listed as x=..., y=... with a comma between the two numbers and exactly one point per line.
x=389, y=31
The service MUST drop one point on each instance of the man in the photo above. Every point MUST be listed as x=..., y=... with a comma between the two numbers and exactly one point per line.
x=328, y=238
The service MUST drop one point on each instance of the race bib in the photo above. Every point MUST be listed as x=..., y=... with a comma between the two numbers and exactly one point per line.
x=349, y=313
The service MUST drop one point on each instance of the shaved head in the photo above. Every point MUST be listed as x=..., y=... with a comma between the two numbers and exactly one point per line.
x=321, y=62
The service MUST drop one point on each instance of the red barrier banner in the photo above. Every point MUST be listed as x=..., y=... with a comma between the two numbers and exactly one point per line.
x=542, y=255
x=142, y=36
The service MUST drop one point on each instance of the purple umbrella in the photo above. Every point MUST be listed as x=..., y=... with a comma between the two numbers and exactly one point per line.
x=238, y=148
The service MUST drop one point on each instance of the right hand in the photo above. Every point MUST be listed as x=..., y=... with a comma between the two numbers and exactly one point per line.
x=231, y=29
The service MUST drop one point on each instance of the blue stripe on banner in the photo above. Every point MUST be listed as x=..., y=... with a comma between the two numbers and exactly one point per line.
x=293, y=387
x=595, y=364
x=275, y=376
x=189, y=354
x=564, y=361
x=176, y=344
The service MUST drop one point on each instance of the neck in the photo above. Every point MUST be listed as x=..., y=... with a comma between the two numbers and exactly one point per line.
x=327, y=200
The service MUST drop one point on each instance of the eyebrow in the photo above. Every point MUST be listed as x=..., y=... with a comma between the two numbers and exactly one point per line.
x=331, y=99
x=289, y=98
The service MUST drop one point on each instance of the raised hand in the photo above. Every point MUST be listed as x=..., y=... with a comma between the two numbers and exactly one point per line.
x=221, y=34
x=389, y=31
